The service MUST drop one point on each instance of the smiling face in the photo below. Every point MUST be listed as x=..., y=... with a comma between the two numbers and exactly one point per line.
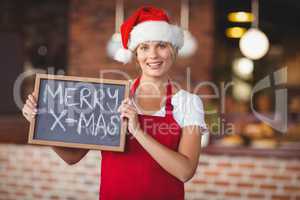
x=155, y=58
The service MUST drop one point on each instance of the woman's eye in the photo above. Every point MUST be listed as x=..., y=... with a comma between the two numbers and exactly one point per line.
x=162, y=45
x=143, y=48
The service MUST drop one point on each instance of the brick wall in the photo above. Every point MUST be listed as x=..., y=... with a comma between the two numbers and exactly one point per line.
x=36, y=172
x=236, y=177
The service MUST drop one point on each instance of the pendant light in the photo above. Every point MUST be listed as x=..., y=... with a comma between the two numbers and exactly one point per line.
x=115, y=41
x=254, y=44
x=190, y=42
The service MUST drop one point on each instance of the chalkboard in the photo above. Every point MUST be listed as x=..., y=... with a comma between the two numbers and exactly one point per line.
x=79, y=112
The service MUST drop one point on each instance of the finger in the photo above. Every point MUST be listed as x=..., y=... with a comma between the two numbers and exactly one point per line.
x=123, y=107
x=31, y=107
x=132, y=108
x=24, y=112
x=132, y=105
x=119, y=108
x=129, y=114
x=32, y=99
x=32, y=116
x=128, y=108
x=27, y=114
x=123, y=103
x=123, y=116
x=126, y=115
x=27, y=117
x=126, y=101
x=34, y=95
x=28, y=110
x=131, y=102
x=30, y=104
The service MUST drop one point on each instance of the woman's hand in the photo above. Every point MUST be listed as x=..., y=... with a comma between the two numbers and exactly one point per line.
x=129, y=111
x=29, y=110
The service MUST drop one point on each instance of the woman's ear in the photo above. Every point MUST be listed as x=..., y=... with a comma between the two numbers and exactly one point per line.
x=135, y=59
x=174, y=52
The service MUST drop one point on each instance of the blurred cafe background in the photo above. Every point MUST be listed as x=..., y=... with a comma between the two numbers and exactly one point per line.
x=242, y=59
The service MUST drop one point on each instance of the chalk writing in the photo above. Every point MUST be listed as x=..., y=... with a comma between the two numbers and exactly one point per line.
x=79, y=112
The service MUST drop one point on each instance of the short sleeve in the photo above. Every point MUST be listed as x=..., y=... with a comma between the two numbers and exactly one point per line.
x=194, y=113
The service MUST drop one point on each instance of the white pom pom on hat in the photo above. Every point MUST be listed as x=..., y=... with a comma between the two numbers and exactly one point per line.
x=123, y=55
x=114, y=43
x=190, y=45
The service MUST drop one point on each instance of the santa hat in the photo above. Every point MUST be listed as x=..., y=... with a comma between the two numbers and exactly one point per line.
x=147, y=24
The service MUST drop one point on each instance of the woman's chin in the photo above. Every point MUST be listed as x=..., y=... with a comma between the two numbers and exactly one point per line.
x=156, y=73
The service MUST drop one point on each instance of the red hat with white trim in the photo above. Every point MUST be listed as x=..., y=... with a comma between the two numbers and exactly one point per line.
x=147, y=24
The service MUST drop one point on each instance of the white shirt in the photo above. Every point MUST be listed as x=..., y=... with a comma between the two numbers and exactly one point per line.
x=188, y=110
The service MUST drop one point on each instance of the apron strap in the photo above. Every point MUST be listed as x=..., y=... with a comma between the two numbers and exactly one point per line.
x=134, y=86
x=168, y=107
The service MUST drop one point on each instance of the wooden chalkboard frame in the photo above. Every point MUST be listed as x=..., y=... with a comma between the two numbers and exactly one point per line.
x=32, y=140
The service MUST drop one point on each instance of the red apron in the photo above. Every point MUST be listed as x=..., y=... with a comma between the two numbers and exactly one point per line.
x=134, y=174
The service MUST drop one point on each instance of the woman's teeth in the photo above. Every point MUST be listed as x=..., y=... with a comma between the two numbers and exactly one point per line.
x=154, y=65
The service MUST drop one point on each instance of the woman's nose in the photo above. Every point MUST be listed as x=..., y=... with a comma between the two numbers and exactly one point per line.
x=153, y=53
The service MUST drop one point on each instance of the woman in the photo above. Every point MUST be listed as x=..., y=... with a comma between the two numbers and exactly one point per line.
x=163, y=148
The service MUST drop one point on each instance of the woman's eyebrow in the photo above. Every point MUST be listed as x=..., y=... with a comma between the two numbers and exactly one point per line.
x=144, y=45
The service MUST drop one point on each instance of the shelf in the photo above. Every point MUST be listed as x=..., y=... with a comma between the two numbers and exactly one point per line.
x=282, y=152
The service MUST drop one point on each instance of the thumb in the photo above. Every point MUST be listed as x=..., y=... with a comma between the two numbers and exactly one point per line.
x=34, y=94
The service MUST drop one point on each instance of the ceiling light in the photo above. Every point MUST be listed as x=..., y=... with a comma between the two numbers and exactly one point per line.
x=240, y=17
x=241, y=90
x=254, y=44
x=235, y=32
x=243, y=67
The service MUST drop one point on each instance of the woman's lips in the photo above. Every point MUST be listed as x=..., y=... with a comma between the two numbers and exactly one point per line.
x=154, y=65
